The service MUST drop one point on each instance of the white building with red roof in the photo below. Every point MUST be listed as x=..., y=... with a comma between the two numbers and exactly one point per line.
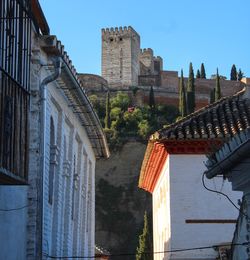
x=185, y=214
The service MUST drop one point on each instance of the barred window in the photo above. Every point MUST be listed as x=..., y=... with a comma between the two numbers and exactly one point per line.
x=15, y=45
x=15, y=40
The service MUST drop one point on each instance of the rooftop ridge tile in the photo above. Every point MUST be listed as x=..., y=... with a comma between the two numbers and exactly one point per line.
x=222, y=119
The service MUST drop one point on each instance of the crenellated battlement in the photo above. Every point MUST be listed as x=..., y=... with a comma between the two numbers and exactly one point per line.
x=147, y=51
x=119, y=31
x=157, y=58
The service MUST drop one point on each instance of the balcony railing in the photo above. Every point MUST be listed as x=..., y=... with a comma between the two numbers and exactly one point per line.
x=15, y=50
x=15, y=36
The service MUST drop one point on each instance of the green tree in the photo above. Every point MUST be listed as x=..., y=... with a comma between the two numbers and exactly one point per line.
x=190, y=91
x=115, y=113
x=99, y=105
x=217, y=94
x=240, y=75
x=167, y=114
x=145, y=248
x=120, y=100
x=182, y=97
x=212, y=96
x=198, y=74
x=107, y=120
x=203, y=73
x=144, y=129
x=152, y=99
x=233, y=75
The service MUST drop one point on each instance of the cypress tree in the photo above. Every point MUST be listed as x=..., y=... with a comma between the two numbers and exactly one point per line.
x=145, y=243
x=190, y=91
x=203, y=73
x=152, y=99
x=233, y=75
x=182, y=97
x=240, y=75
x=212, y=96
x=198, y=74
x=217, y=94
x=107, y=119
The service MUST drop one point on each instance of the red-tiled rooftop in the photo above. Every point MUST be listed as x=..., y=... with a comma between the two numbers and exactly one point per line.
x=198, y=133
x=222, y=119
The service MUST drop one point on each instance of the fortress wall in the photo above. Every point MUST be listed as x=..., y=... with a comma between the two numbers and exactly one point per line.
x=146, y=58
x=149, y=80
x=158, y=64
x=92, y=81
x=170, y=80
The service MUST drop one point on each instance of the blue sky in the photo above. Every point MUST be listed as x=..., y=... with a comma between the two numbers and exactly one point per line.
x=215, y=32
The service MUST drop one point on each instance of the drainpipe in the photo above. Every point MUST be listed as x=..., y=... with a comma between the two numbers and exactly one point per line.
x=43, y=93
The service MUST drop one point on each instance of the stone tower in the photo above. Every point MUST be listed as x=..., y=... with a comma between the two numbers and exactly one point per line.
x=120, y=56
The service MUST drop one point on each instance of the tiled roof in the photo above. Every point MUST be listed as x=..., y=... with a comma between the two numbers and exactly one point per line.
x=223, y=119
x=80, y=103
x=201, y=132
x=229, y=155
x=198, y=133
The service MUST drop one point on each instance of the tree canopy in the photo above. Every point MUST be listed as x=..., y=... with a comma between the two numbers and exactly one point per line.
x=233, y=75
x=145, y=247
x=240, y=75
x=190, y=91
x=217, y=94
x=203, y=73
x=107, y=120
x=198, y=74
x=123, y=120
x=182, y=97
x=151, y=98
x=212, y=96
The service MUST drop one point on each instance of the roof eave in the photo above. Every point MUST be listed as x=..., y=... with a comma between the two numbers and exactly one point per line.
x=225, y=165
x=93, y=125
x=86, y=112
x=39, y=17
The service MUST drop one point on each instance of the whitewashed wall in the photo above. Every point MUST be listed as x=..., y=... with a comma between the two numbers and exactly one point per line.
x=69, y=222
x=189, y=200
x=161, y=214
x=62, y=235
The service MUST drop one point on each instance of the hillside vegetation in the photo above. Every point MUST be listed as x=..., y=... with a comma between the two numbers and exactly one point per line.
x=122, y=120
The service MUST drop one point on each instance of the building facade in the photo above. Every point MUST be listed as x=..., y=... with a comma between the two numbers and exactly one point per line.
x=232, y=162
x=71, y=140
x=53, y=215
x=185, y=213
x=16, y=26
x=14, y=90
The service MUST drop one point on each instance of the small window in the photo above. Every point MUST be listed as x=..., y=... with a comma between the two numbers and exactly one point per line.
x=111, y=39
x=120, y=39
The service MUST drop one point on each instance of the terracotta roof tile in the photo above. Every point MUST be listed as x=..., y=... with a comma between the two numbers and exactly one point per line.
x=203, y=131
x=223, y=119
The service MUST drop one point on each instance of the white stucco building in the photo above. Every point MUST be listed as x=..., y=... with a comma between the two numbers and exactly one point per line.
x=185, y=214
x=71, y=139
x=65, y=139
x=232, y=161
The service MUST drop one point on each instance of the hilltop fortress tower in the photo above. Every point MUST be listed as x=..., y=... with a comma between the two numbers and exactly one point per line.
x=126, y=65
x=123, y=62
x=120, y=56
